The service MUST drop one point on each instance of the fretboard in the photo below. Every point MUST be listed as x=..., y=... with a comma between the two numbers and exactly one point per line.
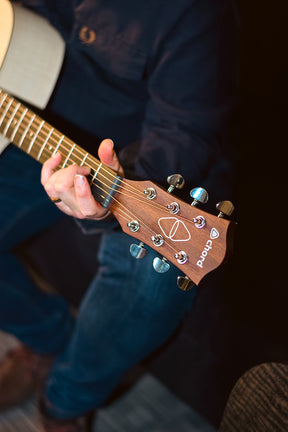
x=40, y=140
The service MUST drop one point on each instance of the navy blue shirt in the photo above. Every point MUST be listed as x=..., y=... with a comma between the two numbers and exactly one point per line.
x=158, y=77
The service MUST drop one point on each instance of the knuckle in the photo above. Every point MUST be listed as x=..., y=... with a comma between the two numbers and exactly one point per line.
x=59, y=186
x=48, y=188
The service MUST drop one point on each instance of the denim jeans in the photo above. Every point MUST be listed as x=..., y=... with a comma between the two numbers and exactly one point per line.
x=32, y=316
x=128, y=311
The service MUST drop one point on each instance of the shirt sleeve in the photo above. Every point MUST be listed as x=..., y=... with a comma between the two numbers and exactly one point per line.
x=192, y=82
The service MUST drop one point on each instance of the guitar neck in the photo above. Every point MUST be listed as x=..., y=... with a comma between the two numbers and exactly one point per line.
x=193, y=240
x=40, y=140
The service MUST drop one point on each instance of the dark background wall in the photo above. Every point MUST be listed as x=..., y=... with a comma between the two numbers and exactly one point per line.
x=242, y=321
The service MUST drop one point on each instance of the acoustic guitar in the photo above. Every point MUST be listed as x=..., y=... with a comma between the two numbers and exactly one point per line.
x=193, y=240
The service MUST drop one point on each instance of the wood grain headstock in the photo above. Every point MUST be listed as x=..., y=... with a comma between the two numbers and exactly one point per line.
x=193, y=240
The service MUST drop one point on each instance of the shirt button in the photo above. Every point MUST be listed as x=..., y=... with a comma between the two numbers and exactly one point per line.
x=87, y=36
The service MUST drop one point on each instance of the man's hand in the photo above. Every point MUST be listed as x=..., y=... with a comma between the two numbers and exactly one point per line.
x=70, y=185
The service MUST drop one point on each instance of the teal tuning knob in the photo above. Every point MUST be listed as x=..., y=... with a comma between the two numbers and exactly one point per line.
x=161, y=265
x=138, y=251
x=199, y=195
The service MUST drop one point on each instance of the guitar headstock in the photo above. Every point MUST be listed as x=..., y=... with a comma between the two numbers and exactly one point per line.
x=193, y=240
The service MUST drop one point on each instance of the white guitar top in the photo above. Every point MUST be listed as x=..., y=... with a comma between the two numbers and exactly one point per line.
x=31, y=55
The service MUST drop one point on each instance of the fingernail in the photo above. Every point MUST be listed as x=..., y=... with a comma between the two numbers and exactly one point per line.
x=55, y=155
x=79, y=180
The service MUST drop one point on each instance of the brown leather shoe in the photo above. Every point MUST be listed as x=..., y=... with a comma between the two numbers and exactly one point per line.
x=21, y=372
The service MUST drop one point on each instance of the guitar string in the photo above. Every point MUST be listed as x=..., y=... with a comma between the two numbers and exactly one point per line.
x=49, y=128
x=121, y=210
x=76, y=148
x=97, y=164
x=126, y=214
x=127, y=190
x=130, y=188
x=151, y=203
x=82, y=152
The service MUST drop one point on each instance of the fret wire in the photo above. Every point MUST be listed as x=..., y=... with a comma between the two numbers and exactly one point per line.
x=44, y=144
x=69, y=154
x=26, y=130
x=3, y=99
x=6, y=111
x=34, y=138
x=11, y=119
x=58, y=145
x=84, y=159
x=96, y=172
x=19, y=123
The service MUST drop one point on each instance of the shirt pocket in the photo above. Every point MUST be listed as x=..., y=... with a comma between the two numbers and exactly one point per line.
x=111, y=52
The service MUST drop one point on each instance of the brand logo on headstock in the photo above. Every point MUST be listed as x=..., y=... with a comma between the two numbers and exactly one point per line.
x=214, y=234
x=174, y=229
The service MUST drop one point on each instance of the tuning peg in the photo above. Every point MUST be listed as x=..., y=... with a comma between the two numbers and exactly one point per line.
x=199, y=195
x=138, y=251
x=161, y=265
x=225, y=208
x=184, y=283
x=175, y=181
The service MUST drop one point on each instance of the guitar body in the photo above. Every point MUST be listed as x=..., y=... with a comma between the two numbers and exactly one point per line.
x=31, y=56
x=6, y=27
x=32, y=52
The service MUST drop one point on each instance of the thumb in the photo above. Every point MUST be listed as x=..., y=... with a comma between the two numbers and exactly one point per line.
x=108, y=156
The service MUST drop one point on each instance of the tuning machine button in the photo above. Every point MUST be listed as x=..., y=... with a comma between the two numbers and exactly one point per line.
x=138, y=251
x=225, y=208
x=161, y=265
x=175, y=181
x=199, y=195
x=157, y=240
x=150, y=193
x=134, y=225
x=181, y=257
x=199, y=221
x=184, y=283
x=173, y=208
